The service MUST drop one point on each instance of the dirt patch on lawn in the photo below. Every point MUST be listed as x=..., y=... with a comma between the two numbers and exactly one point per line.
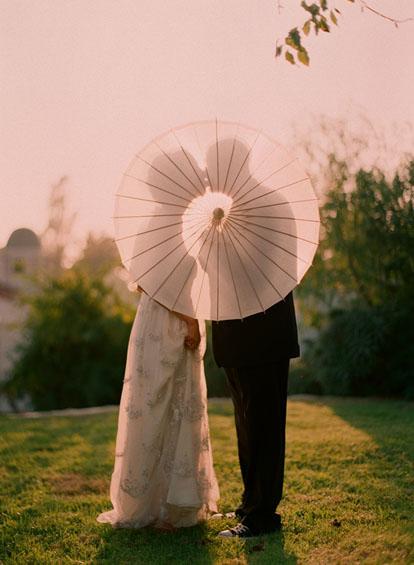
x=74, y=483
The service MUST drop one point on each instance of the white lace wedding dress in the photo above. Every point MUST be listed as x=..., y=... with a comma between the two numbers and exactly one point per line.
x=163, y=470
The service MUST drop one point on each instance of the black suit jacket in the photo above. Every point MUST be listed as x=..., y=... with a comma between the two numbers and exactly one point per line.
x=261, y=338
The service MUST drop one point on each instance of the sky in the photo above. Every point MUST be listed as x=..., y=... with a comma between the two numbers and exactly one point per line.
x=85, y=84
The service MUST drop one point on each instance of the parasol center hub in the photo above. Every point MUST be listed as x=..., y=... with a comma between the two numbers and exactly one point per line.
x=218, y=214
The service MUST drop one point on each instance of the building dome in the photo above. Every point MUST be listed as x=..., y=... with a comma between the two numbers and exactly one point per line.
x=23, y=237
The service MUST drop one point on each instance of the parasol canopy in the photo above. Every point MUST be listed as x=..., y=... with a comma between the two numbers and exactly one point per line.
x=216, y=220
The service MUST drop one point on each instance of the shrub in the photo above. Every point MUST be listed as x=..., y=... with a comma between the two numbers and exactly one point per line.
x=365, y=351
x=74, y=347
x=359, y=293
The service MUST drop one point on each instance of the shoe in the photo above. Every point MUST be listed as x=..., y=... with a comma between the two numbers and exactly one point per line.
x=276, y=523
x=220, y=516
x=239, y=531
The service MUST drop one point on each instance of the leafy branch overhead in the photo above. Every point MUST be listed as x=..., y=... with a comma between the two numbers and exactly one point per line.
x=321, y=17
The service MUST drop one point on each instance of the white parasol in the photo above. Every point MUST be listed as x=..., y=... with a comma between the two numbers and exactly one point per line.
x=216, y=220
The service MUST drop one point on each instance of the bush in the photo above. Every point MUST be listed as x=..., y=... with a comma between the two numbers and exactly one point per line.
x=360, y=294
x=365, y=351
x=301, y=381
x=74, y=347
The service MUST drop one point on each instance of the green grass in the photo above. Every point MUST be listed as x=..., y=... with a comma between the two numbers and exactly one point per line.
x=347, y=497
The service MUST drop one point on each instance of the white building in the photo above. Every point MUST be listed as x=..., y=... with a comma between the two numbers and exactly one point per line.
x=22, y=254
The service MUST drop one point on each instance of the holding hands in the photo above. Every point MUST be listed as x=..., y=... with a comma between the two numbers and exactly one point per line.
x=192, y=339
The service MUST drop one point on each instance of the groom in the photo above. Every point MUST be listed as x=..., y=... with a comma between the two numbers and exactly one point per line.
x=255, y=353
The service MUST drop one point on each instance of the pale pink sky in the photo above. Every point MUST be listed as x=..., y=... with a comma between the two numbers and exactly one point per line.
x=85, y=83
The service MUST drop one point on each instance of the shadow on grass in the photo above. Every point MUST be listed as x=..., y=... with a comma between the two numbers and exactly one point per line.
x=185, y=545
x=198, y=545
x=269, y=549
x=64, y=483
x=384, y=468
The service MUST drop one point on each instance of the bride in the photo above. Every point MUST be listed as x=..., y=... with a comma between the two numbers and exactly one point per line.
x=163, y=472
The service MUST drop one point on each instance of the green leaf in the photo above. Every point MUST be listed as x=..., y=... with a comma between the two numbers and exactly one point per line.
x=313, y=9
x=293, y=39
x=333, y=18
x=323, y=4
x=306, y=27
x=279, y=49
x=323, y=24
x=305, y=6
x=295, y=35
x=289, y=57
x=303, y=57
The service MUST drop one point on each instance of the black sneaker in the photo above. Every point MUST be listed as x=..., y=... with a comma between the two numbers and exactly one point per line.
x=239, y=531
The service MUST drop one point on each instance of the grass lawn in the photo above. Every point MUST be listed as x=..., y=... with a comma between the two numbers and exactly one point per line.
x=347, y=497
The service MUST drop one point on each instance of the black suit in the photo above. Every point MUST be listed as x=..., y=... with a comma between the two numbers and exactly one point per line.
x=255, y=354
x=260, y=338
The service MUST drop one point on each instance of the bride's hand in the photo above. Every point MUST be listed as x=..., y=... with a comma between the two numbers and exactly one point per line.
x=193, y=338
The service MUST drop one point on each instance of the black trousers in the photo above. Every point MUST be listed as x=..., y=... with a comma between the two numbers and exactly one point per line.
x=259, y=394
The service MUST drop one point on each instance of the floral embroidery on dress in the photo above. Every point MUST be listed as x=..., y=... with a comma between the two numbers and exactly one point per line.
x=145, y=373
x=140, y=342
x=176, y=415
x=205, y=443
x=153, y=400
x=154, y=337
x=195, y=409
x=132, y=412
x=183, y=468
x=180, y=377
x=134, y=487
x=154, y=446
x=203, y=480
x=168, y=464
x=168, y=362
x=165, y=431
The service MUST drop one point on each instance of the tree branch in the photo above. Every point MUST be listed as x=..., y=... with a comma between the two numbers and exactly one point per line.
x=366, y=6
x=321, y=16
